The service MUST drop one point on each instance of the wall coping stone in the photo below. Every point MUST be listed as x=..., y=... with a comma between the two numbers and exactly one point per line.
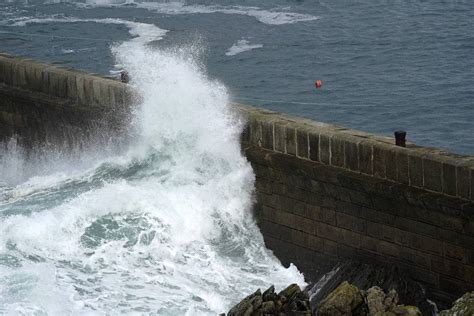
x=428, y=168
x=80, y=87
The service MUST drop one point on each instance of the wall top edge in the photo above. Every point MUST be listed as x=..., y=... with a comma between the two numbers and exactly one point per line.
x=7, y=58
x=355, y=136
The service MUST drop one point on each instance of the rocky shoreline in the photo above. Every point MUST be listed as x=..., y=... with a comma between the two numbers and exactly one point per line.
x=351, y=288
x=290, y=301
x=345, y=300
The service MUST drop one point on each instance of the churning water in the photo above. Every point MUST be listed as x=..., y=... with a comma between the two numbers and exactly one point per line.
x=163, y=228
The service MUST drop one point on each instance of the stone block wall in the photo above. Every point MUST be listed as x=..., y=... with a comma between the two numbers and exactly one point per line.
x=45, y=105
x=327, y=193
x=57, y=82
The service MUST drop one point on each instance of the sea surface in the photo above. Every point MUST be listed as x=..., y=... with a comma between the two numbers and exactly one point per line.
x=385, y=65
x=164, y=224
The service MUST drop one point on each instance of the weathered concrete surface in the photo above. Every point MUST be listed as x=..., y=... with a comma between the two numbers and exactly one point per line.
x=324, y=193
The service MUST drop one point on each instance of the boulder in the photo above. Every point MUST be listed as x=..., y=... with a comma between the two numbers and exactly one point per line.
x=378, y=302
x=462, y=306
x=248, y=305
x=290, y=292
x=269, y=294
x=344, y=300
x=290, y=301
x=268, y=308
x=364, y=276
x=375, y=301
x=391, y=299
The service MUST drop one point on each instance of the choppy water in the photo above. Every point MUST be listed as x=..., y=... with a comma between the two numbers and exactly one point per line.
x=164, y=226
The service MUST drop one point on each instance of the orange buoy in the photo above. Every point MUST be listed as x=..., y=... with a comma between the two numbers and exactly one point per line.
x=318, y=84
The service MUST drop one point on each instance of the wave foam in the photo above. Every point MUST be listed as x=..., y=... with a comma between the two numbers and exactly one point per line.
x=271, y=17
x=164, y=229
x=143, y=32
x=241, y=46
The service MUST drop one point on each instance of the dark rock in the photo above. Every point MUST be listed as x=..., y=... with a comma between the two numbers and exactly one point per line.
x=269, y=294
x=381, y=304
x=256, y=302
x=278, y=305
x=290, y=301
x=124, y=77
x=303, y=305
x=342, y=301
x=345, y=299
x=348, y=290
x=375, y=298
x=378, y=302
x=268, y=308
x=391, y=299
x=290, y=292
x=248, y=305
x=462, y=306
x=365, y=276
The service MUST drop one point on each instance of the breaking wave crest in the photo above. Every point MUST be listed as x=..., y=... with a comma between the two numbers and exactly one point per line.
x=164, y=228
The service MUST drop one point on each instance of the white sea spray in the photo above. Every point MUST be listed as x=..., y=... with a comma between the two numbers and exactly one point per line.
x=165, y=227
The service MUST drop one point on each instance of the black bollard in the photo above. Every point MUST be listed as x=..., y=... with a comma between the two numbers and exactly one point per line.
x=400, y=138
x=124, y=77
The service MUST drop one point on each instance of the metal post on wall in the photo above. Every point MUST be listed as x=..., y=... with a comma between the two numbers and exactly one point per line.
x=400, y=138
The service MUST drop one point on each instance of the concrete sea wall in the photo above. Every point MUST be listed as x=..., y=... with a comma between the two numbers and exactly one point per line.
x=49, y=106
x=324, y=193
x=327, y=193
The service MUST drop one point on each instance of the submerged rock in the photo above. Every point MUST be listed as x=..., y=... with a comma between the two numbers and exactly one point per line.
x=462, y=306
x=344, y=300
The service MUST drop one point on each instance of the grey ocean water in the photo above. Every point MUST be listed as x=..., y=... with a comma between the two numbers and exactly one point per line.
x=385, y=65
x=164, y=225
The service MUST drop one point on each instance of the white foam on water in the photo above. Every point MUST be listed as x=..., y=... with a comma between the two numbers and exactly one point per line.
x=241, y=46
x=67, y=51
x=142, y=32
x=21, y=288
x=271, y=17
x=169, y=228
